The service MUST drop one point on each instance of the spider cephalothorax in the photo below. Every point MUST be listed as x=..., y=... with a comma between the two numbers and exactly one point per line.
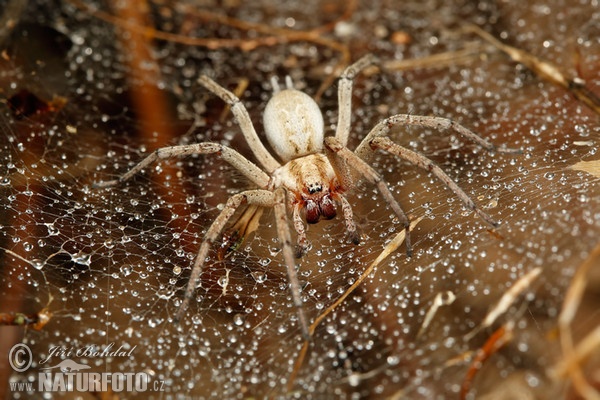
x=313, y=184
x=313, y=172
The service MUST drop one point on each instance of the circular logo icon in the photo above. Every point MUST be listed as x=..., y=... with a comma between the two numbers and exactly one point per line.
x=20, y=357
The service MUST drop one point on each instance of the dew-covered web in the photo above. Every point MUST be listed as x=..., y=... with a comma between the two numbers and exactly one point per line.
x=84, y=101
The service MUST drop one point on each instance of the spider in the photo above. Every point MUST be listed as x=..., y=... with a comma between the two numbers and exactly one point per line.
x=311, y=173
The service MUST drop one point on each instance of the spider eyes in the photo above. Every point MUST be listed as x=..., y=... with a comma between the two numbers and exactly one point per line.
x=314, y=188
x=323, y=207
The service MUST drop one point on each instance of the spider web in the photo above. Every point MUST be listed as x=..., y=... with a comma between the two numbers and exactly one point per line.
x=110, y=265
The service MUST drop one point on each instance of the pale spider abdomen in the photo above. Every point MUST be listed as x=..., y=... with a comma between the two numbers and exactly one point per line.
x=293, y=124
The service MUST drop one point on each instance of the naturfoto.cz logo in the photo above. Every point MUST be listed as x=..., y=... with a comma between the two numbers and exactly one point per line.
x=67, y=375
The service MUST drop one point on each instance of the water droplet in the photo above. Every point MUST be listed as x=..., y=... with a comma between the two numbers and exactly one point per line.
x=176, y=270
x=549, y=175
x=456, y=245
x=203, y=351
x=259, y=277
x=82, y=259
x=126, y=270
x=52, y=230
x=265, y=261
x=223, y=281
x=239, y=319
x=393, y=360
x=37, y=264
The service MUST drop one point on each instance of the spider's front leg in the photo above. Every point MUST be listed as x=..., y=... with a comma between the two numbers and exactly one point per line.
x=302, y=245
x=337, y=149
x=384, y=143
x=384, y=127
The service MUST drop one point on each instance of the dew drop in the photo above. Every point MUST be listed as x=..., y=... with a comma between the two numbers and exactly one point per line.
x=259, y=277
x=238, y=319
x=52, y=230
x=265, y=261
x=393, y=360
x=223, y=281
x=354, y=380
x=456, y=245
x=37, y=264
x=82, y=259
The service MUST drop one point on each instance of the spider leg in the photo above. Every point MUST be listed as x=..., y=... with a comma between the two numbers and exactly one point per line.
x=345, y=96
x=301, y=241
x=243, y=119
x=349, y=220
x=383, y=128
x=239, y=162
x=263, y=198
x=419, y=160
x=364, y=169
x=285, y=236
